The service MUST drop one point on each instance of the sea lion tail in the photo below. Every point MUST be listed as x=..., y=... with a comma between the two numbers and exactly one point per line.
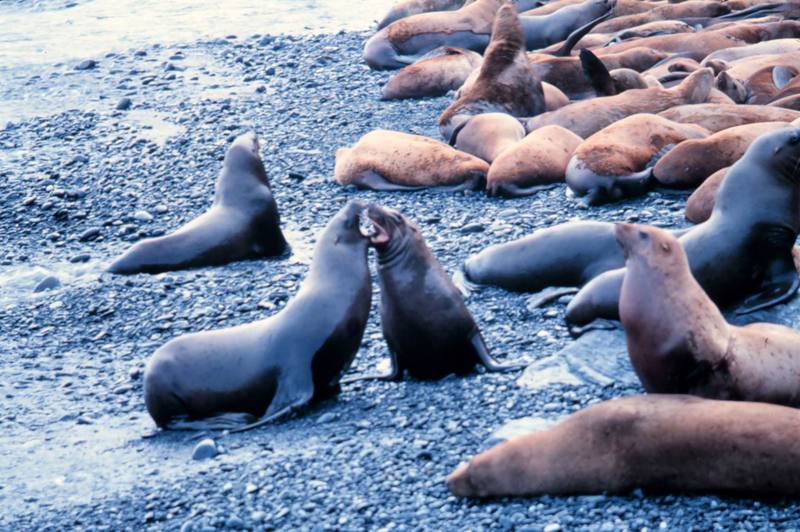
x=597, y=74
x=578, y=34
x=486, y=358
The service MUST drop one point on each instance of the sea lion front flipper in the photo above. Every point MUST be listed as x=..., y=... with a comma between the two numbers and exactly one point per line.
x=770, y=294
x=395, y=373
x=600, y=324
x=375, y=181
x=781, y=76
x=486, y=358
x=597, y=74
x=291, y=395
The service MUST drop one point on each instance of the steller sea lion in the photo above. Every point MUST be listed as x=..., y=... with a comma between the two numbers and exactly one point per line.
x=678, y=340
x=506, y=82
x=587, y=117
x=265, y=369
x=537, y=161
x=442, y=70
x=391, y=160
x=787, y=102
x=701, y=203
x=406, y=8
x=609, y=83
x=659, y=443
x=487, y=135
x=242, y=223
x=716, y=117
x=616, y=162
x=776, y=46
x=743, y=254
x=689, y=163
x=665, y=12
x=438, y=341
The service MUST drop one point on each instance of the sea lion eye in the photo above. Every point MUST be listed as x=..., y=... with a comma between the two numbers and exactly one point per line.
x=794, y=138
x=644, y=236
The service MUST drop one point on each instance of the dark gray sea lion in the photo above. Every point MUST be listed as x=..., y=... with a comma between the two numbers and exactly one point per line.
x=428, y=328
x=242, y=223
x=743, y=254
x=229, y=377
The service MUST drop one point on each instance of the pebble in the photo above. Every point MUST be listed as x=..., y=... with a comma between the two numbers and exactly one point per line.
x=475, y=227
x=50, y=282
x=124, y=104
x=86, y=64
x=143, y=216
x=206, y=448
x=89, y=234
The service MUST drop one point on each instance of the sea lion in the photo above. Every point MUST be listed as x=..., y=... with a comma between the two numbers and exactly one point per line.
x=787, y=102
x=616, y=162
x=391, y=160
x=406, y=8
x=487, y=135
x=227, y=377
x=405, y=40
x=537, y=161
x=609, y=83
x=569, y=254
x=242, y=223
x=776, y=46
x=689, y=163
x=587, y=117
x=716, y=117
x=743, y=254
x=505, y=83
x=442, y=70
x=665, y=12
x=659, y=443
x=742, y=69
x=695, y=350
x=443, y=339
x=701, y=203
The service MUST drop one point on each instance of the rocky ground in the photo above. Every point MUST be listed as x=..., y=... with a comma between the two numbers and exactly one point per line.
x=138, y=157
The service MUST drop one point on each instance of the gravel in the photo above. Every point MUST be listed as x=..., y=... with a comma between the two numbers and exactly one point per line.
x=82, y=184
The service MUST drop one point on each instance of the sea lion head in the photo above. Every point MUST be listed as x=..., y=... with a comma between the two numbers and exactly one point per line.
x=655, y=246
x=780, y=150
x=347, y=223
x=243, y=157
x=733, y=88
x=387, y=229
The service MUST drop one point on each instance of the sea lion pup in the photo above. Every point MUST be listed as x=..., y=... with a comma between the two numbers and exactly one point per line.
x=242, y=223
x=506, y=82
x=743, y=254
x=701, y=203
x=391, y=160
x=689, y=163
x=406, y=8
x=487, y=135
x=568, y=254
x=443, y=339
x=616, y=162
x=536, y=162
x=225, y=378
x=659, y=443
x=695, y=350
x=587, y=117
x=442, y=70
x=716, y=117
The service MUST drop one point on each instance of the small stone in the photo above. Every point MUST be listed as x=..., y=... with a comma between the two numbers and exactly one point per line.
x=124, y=104
x=234, y=522
x=207, y=448
x=89, y=234
x=552, y=527
x=83, y=257
x=326, y=417
x=48, y=283
x=475, y=227
x=143, y=216
x=86, y=64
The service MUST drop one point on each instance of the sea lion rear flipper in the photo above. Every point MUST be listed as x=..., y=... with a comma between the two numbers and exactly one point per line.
x=486, y=358
x=226, y=421
x=770, y=294
x=578, y=34
x=597, y=74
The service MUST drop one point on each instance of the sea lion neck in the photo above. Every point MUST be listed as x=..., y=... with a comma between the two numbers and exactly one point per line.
x=395, y=250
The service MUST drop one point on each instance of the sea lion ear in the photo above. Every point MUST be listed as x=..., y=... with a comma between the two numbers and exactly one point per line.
x=665, y=246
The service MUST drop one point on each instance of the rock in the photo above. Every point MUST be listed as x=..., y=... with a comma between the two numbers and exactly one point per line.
x=89, y=234
x=124, y=104
x=206, y=448
x=87, y=64
x=552, y=527
x=475, y=227
x=48, y=283
x=83, y=257
x=327, y=417
x=143, y=216
x=234, y=522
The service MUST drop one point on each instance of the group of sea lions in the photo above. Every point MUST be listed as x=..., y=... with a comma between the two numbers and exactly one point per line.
x=613, y=98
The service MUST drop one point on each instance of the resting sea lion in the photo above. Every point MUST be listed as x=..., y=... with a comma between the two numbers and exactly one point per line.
x=689, y=163
x=716, y=117
x=264, y=369
x=391, y=160
x=242, y=223
x=406, y=8
x=438, y=341
x=616, y=162
x=442, y=70
x=743, y=254
x=506, y=82
x=587, y=117
x=788, y=102
x=695, y=350
x=701, y=203
x=776, y=46
x=487, y=135
x=537, y=161
x=665, y=12
x=609, y=83
x=742, y=69
x=658, y=443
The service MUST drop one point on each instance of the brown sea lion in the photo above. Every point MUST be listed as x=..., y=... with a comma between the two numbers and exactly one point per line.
x=616, y=162
x=659, y=443
x=587, y=117
x=548, y=7
x=665, y=12
x=225, y=378
x=742, y=69
x=441, y=340
x=537, y=161
x=665, y=69
x=742, y=255
x=787, y=102
x=609, y=83
x=487, y=135
x=391, y=160
x=695, y=350
x=700, y=204
x=598, y=40
x=506, y=82
x=776, y=46
x=442, y=70
x=406, y=8
x=242, y=223
x=716, y=117
x=689, y=163
x=790, y=87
